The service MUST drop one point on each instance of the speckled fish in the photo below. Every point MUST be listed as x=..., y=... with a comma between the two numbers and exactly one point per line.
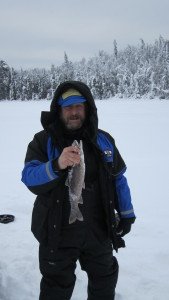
x=75, y=182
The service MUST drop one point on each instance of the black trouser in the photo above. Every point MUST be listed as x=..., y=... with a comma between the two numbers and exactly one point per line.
x=93, y=250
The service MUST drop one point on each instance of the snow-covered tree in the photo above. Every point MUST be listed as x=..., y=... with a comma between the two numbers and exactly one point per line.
x=5, y=78
x=140, y=71
x=66, y=70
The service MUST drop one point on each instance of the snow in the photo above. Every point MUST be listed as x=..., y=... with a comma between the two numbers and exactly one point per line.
x=140, y=129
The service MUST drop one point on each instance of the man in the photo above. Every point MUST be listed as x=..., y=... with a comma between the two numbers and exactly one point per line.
x=72, y=153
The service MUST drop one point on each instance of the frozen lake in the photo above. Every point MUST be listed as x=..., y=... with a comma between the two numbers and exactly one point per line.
x=141, y=131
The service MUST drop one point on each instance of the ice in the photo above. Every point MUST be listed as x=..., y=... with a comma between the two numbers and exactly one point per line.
x=140, y=128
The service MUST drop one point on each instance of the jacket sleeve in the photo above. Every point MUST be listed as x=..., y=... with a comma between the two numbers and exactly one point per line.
x=38, y=173
x=123, y=195
x=123, y=203
x=125, y=207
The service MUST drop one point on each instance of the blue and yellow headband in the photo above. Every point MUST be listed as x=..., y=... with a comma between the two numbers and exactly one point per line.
x=71, y=97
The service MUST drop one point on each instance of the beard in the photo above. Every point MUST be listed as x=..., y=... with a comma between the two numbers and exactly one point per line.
x=73, y=122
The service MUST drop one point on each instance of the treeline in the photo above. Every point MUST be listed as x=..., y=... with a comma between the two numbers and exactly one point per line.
x=137, y=71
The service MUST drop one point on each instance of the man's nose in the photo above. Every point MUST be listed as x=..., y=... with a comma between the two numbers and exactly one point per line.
x=74, y=111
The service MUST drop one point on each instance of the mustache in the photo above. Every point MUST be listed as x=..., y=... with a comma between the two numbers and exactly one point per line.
x=74, y=117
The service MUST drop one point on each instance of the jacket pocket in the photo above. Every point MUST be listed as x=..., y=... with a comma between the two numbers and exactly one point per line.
x=39, y=226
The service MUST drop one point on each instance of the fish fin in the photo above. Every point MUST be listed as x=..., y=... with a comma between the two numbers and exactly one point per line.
x=81, y=200
x=67, y=182
x=81, y=145
x=75, y=143
x=79, y=215
x=72, y=219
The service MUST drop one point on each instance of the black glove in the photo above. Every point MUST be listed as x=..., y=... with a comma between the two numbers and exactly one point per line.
x=120, y=242
x=124, y=226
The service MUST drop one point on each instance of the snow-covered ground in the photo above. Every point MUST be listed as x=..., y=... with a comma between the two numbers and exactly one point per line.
x=141, y=131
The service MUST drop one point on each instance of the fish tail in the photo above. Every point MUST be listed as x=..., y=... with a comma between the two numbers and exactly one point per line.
x=72, y=218
x=79, y=215
x=75, y=214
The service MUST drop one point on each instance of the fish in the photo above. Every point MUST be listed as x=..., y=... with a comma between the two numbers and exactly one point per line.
x=76, y=182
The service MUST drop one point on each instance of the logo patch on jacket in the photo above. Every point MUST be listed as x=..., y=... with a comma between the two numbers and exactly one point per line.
x=108, y=155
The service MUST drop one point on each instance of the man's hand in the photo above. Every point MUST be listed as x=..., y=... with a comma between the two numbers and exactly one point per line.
x=124, y=226
x=69, y=157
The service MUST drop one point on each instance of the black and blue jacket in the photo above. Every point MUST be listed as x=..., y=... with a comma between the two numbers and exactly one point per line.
x=43, y=179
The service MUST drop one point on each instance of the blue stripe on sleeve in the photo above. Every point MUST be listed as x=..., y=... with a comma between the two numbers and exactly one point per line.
x=124, y=197
x=38, y=173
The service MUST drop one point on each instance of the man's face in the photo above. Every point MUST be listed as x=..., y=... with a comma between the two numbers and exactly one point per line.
x=73, y=116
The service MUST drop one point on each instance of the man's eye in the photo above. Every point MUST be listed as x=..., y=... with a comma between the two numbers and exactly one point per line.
x=80, y=106
x=67, y=108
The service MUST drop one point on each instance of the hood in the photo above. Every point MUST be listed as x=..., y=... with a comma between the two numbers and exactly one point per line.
x=52, y=117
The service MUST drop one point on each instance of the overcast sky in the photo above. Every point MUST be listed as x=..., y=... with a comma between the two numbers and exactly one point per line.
x=36, y=33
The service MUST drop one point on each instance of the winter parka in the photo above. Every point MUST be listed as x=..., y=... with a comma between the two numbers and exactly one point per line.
x=41, y=178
